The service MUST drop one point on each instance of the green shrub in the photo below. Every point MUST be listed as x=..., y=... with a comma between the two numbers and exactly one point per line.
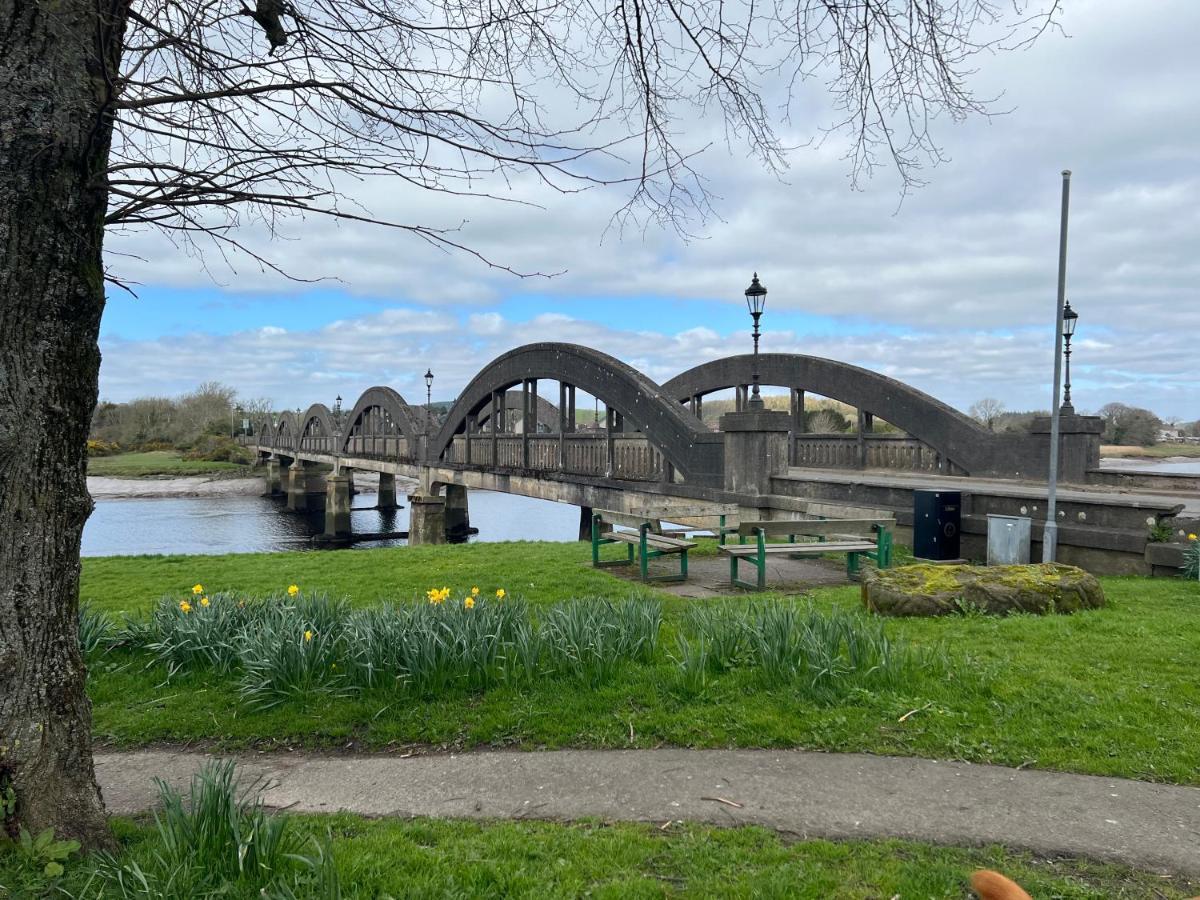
x=95, y=632
x=723, y=627
x=1191, y=560
x=693, y=663
x=590, y=639
x=289, y=650
x=102, y=448
x=217, y=448
x=191, y=634
x=219, y=842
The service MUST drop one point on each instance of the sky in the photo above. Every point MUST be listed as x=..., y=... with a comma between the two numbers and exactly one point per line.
x=950, y=288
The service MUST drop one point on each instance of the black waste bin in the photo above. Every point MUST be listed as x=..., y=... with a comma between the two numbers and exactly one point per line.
x=937, y=518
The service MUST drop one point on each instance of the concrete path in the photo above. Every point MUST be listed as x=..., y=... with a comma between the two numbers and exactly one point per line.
x=1149, y=826
x=708, y=576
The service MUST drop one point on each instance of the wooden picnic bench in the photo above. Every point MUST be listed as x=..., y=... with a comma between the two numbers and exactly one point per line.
x=646, y=538
x=849, y=536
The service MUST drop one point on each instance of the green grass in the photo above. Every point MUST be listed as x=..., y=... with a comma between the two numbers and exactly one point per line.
x=1157, y=451
x=445, y=858
x=1111, y=691
x=154, y=463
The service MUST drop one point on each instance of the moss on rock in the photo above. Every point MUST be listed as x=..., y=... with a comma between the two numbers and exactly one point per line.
x=932, y=590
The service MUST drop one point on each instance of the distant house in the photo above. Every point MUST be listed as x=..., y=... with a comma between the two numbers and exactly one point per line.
x=1170, y=436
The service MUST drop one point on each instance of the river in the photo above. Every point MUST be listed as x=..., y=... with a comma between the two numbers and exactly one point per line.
x=245, y=524
x=1175, y=465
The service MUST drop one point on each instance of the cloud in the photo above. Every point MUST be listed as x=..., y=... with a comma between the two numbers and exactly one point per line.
x=953, y=289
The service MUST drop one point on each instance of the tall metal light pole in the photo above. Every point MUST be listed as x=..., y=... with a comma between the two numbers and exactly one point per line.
x=1050, y=534
x=756, y=301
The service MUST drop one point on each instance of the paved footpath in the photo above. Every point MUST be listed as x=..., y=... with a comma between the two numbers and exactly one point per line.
x=1151, y=826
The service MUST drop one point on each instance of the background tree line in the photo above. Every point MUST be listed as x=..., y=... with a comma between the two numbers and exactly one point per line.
x=199, y=424
x=1130, y=426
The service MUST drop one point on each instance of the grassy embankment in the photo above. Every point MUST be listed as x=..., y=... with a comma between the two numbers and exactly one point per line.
x=1111, y=691
x=158, y=463
x=1158, y=451
x=432, y=858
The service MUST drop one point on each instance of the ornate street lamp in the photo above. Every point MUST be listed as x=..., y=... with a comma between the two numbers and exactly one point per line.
x=1070, y=317
x=756, y=300
x=428, y=397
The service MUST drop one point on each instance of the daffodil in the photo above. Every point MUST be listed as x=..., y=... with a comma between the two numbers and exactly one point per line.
x=474, y=592
x=500, y=594
x=293, y=590
x=185, y=606
x=1192, y=537
x=204, y=601
x=197, y=589
x=469, y=603
x=308, y=635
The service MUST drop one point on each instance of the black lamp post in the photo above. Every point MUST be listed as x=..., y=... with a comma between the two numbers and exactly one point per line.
x=1070, y=317
x=756, y=300
x=428, y=396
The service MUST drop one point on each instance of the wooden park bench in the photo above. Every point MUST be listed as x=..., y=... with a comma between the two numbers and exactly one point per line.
x=854, y=537
x=686, y=520
x=646, y=538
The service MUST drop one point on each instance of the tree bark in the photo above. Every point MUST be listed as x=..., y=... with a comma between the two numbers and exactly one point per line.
x=56, y=70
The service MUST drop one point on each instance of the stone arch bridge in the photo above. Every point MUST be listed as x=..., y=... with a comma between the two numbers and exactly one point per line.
x=505, y=432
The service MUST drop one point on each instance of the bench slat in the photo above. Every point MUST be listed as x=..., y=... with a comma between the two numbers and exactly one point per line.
x=654, y=541
x=814, y=549
x=816, y=526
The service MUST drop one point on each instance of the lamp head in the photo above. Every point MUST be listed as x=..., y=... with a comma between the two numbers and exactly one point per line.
x=1070, y=318
x=428, y=378
x=756, y=296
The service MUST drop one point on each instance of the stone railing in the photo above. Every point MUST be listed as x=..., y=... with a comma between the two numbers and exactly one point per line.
x=876, y=451
x=633, y=457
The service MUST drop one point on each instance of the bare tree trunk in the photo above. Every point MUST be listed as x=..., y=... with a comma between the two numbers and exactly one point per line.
x=56, y=61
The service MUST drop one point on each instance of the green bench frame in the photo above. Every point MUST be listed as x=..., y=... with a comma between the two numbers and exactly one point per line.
x=648, y=533
x=819, y=528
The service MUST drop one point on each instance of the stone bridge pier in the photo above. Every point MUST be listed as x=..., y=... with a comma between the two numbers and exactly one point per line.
x=305, y=486
x=438, y=512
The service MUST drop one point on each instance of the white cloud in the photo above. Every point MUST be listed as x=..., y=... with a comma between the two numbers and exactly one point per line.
x=968, y=263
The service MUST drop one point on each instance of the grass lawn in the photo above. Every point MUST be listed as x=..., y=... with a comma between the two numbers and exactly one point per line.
x=1158, y=451
x=1111, y=691
x=437, y=858
x=155, y=463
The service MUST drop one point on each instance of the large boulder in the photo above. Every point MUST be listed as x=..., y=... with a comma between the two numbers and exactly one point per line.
x=931, y=590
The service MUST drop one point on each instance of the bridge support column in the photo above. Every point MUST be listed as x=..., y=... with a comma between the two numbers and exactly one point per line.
x=387, y=491
x=756, y=449
x=304, y=482
x=457, y=515
x=337, y=508
x=274, y=487
x=426, y=519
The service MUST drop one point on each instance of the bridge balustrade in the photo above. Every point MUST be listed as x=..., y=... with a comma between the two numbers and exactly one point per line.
x=634, y=458
x=882, y=451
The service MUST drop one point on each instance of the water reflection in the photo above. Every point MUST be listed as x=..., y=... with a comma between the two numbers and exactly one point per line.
x=253, y=524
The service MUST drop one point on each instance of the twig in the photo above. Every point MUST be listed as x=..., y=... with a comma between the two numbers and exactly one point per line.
x=732, y=803
x=914, y=711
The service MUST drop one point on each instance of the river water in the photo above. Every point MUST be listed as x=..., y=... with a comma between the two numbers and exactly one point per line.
x=245, y=524
x=1175, y=465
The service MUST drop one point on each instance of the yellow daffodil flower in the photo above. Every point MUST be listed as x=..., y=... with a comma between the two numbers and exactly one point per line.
x=501, y=594
x=293, y=590
x=185, y=606
x=1192, y=537
x=197, y=589
x=308, y=635
x=204, y=601
x=474, y=592
x=469, y=603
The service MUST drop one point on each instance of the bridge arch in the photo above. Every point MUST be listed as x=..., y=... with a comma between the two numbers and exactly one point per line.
x=955, y=436
x=380, y=412
x=680, y=437
x=547, y=412
x=285, y=434
x=318, y=430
